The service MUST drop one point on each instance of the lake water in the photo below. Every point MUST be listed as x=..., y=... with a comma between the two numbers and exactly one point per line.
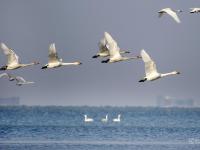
x=63, y=128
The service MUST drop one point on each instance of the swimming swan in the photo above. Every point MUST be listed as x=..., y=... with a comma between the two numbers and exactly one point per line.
x=170, y=12
x=150, y=69
x=86, y=119
x=13, y=59
x=105, y=119
x=54, y=61
x=114, y=50
x=103, y=50
x=118, y=119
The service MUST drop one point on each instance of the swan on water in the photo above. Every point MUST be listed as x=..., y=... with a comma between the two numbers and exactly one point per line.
x=86, y=119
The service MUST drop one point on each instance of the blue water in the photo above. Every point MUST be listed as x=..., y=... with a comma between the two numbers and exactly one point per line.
x=63, y=128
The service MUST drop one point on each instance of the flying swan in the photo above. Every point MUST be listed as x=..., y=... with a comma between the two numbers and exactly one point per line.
x=170, y=12
x=54, y=61
x=195, y=10
x=114, y=50
x=103, y=50
x=12, y=59
x=150, y=69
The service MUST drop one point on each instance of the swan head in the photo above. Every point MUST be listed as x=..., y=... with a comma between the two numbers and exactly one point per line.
x=3, y=67
x=77, y=63
x=176, y=72
x=119, y=115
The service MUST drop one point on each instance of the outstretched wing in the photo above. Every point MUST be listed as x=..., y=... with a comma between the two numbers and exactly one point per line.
x=53, y=56
x=173, y=14
x=112, y=46
x=102, y=46
x=4, y=75
x=20, y=79
x=11, y=55
x=150, y=66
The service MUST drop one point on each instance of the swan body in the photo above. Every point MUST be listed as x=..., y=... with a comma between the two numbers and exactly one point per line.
x=86, y=119
x=170, y=12
x=13, y=59
x=103, y=50
x=114, y=50
x=105, y=119
x=54, y=61
x=9, y=76
x=118, y=119
x=195, y=10
x=151, y=70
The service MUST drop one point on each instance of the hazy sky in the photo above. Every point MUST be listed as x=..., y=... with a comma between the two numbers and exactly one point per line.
x=76, y=26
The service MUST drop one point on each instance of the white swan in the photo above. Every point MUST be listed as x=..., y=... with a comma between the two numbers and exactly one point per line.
x=150, y=69
x=12, y=59
x=86, y=119
x=103, y=50
x=54, y=61
x=170, y=12
x=22, y=81
x=118, y=119
x=105, y=119
x=114, y=50
x=195, y=10
x=9, y=76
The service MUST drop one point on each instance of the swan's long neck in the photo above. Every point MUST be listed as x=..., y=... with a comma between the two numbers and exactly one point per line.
x=25, y=65
x=68, y=64
x=128, y=58
x=168, y=74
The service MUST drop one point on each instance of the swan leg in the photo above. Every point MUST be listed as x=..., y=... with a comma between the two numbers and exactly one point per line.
x=3, y=68
x=105, y=61
x=44, y=67
x=95, y=56
x=143, y=80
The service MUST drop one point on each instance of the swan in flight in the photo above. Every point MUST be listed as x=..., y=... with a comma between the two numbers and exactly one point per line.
x=103, y=50
x=86, y=119
x=118, y=119
x=105, y=119
x=195, y=10
x=12, y=59
x=9, y=76
x=170, y=12
x=114, y=50
x=22, y=81
x=150, y=69
x=54, y=61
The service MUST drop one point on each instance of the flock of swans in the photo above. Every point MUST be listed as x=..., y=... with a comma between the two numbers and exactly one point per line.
x=118, y=119
x=173, y=13
x=108, y=47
